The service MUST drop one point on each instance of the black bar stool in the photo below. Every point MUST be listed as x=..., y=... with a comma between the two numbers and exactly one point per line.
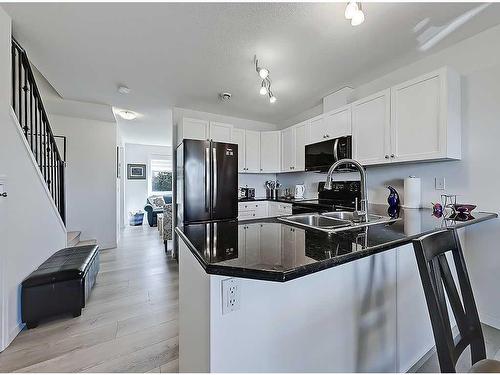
x=438, y=283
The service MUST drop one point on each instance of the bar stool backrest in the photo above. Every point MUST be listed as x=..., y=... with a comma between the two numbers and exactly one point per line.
x=438, y=283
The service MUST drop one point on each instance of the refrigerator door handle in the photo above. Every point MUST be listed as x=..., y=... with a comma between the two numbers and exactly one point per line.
x=214, y=171
x=207, y=179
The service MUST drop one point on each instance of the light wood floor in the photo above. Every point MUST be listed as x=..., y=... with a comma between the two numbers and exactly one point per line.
x=130, y=323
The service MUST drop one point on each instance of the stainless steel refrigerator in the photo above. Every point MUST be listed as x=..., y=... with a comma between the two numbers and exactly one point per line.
x=207, y=181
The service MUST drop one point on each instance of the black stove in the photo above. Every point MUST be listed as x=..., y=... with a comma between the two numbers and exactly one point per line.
x=341, y=197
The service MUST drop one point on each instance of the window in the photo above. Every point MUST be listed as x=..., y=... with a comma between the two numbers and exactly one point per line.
x=161, y=176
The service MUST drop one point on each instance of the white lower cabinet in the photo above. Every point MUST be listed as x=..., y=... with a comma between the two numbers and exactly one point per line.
x=263, y=209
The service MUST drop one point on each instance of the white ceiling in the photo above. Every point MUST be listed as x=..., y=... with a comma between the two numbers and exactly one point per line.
x=185, y=54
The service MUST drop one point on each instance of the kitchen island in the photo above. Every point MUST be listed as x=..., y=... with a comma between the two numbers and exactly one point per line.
x=309, y=301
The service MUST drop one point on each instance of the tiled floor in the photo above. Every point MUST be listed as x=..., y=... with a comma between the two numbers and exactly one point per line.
x=130, y=323
x=492, y=341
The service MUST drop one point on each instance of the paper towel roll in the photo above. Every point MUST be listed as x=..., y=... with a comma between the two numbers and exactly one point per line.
x=412, y=192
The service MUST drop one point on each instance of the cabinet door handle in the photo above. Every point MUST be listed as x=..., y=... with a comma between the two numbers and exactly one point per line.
x=387, y=156
x=392, y=155
x=3, y=195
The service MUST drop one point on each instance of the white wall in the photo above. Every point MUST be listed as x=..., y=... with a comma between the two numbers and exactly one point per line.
x=136, y=191
x=475, y=178
x=34, y=230
x=90, y=177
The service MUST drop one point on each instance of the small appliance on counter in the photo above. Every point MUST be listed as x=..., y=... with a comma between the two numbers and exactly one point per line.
x=299, y=191
x=246, y=193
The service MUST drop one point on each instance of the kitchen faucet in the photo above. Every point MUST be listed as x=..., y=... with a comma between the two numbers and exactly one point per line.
x=362, y=213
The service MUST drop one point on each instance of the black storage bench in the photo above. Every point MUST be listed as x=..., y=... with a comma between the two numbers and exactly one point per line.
x=60, y=285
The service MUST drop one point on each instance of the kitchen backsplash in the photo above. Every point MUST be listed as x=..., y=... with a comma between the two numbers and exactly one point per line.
x=255, y=181
x=311, y=180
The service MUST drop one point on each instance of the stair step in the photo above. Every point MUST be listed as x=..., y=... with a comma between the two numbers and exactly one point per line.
x=87, y=242
x=73, y=238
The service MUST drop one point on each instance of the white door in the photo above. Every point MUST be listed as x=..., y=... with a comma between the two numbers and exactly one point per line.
x=238, y=137
x=270, y=151
x=3, y=257
x=371, y=128
x=194, y=129
x=288, y=149
x=418, y=127
x=317, y=131
x=300, y=147
x=337, y=123
x=220, y=132
x=252, y=151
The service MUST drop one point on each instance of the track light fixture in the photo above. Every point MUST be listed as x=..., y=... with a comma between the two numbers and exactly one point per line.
x=354, y=13
x=265, y=87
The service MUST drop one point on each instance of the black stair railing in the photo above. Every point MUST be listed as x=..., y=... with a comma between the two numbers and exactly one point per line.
x=28, y=106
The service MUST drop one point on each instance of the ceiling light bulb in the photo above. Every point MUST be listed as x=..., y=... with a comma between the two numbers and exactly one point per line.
x=351, y=9
x=263, y=73
x=124, y=90
x=263, y=89
x=358, y=18
x=272, y=98
x=127, y=115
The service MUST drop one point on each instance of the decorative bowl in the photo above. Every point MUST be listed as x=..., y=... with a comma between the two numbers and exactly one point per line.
x=464, y=208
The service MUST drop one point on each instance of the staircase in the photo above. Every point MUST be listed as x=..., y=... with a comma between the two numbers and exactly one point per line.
x=74, y=240
x=32, y=117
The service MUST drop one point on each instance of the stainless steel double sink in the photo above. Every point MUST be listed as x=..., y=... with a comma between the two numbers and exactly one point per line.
x=334, y=221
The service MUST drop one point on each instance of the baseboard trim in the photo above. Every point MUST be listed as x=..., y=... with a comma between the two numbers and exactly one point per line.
x=490, y=320
x=13, y=334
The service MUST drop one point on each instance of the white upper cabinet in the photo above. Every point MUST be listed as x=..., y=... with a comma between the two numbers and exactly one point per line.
x=191, y=128
x=417, y=120
x=337, y=123
x=333, y=124
x=371, y=128
x=317, y=131
x=288, y=147
x=238, y=137
x=293, y=146
x=425, y=117
x=270, y=151
x=252, y=151
x=300, y=146
x=220, y=132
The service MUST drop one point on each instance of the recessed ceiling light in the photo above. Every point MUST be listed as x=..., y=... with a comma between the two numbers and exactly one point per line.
x=124, y=90
x=225, y=96
x=127, y=115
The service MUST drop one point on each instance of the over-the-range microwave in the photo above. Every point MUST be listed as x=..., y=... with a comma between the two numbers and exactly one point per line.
x=320, y=156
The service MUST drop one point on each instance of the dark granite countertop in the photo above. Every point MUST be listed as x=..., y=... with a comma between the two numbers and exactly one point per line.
x=268, y=249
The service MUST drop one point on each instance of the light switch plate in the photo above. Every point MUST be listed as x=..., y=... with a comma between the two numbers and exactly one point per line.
x=231, y=295
x=440, y=183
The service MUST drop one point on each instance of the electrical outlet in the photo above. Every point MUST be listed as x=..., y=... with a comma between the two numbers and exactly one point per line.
x=230, y=295
x=440, y=183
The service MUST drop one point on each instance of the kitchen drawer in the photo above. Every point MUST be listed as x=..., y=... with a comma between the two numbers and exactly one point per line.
x=247, y=215
x=248, y=206
x=285, y=208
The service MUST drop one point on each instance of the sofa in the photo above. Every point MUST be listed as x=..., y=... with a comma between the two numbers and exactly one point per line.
x=155, y=205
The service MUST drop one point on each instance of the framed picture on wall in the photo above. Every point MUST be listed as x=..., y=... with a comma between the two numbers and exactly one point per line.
x=136, y=171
